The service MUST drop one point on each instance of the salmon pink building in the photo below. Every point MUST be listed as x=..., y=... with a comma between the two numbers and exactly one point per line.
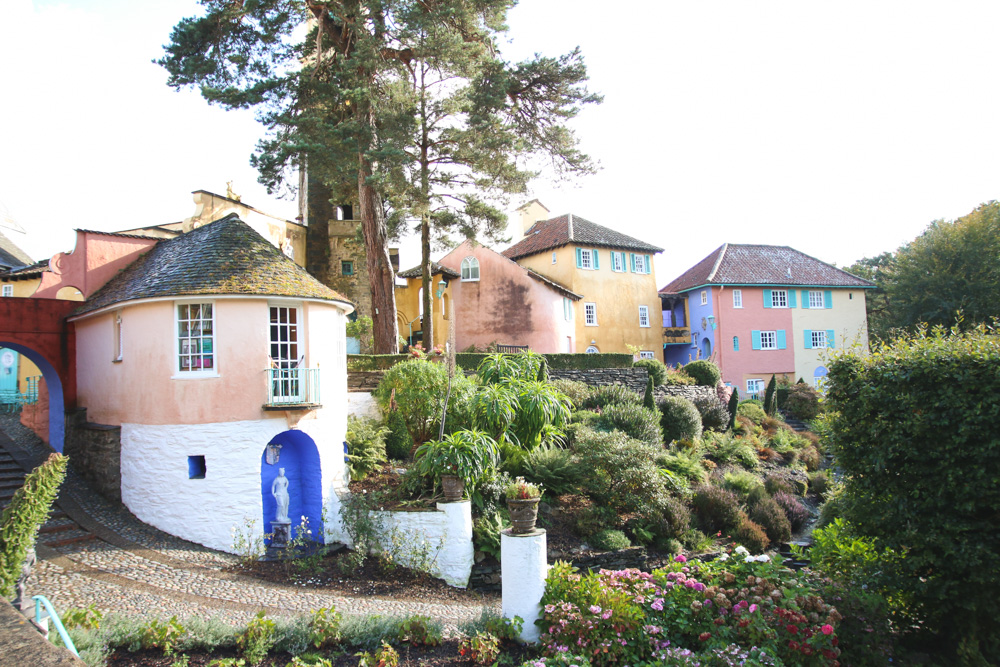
x=759, y=311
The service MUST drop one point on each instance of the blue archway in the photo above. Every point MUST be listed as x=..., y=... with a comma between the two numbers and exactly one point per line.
x=300, y=459
x=57, y=409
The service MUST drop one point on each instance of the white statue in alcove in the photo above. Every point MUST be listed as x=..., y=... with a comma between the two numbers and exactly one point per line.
x=279, y=489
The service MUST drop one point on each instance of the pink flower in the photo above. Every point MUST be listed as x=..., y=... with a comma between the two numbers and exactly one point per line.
x=827, y=629
x=606, y=615
x=753, y=608
x=657, y=604
x=679, y=558
x=594, y=609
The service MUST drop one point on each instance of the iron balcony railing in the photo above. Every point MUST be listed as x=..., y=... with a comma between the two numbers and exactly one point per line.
x=292, y=386
x=511, y=349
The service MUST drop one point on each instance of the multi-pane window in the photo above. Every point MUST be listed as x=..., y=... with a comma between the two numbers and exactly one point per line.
x=755, y=388
x=590, y=314
x=195, y=337
x=8, y=290
x=640, y=264
x=643, y=316
x=779, y=298
x=470, y=269
x=704, y=297
x=737, y=298
x=284, y=352
x=586, y=260
x=768, y=340
x=618, y=262
x=818, y=338
x=816, y=299
x=647, y=354
x=346, y=268
x=567, y=309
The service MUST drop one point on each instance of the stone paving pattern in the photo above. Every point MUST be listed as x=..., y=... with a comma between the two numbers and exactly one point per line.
x=137, y=569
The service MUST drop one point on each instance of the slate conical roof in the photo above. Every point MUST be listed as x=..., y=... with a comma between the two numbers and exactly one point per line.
x=225, y=257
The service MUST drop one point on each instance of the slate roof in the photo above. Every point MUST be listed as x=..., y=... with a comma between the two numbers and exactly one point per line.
x=29, y=271
x=436, y=269
x=225, y=257
x=735, y=264
x=565, y=229
x=12, y=257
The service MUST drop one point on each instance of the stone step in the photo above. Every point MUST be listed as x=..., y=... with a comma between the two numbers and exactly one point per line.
x=11, y=483
x=71, y=540
x=10, y=475
x=46, y=530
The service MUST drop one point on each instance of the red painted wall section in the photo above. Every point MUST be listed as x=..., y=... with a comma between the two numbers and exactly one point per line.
x=40, y=324
x=96, y=259
x=738, y=365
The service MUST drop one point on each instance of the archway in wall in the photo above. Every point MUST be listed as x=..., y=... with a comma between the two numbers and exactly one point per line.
x=300, y=459
x=706, y=348
x=57, y=408
x=819, y=378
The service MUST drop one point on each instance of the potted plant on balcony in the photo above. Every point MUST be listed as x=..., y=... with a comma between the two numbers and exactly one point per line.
x=459, y=460
x=522, y=504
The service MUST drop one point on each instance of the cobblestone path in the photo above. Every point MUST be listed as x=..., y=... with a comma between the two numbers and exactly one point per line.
x=108, y=558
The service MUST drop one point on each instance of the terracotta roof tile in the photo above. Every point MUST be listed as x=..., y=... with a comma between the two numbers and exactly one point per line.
x=734, y=264
x=564, y=229
x=436, y=269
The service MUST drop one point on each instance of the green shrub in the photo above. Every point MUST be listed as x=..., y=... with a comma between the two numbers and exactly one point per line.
x=717, y=509
x=802, y=402
x=633, y=420
x=657, y=370
x=575, y=391
x=163, y=636
x=678, y=378
x=810, y=458
x=770, y=397
x=714, y=415
x=486, y=533
x=21, y=519
x=752, y=410
x=776, y=482
x=704, y=372
x=666, y=518
x=419, y=630
x=727, y=448
x=772, y=518
x=751, y=535
x=594, y=519
x=819, y=483
x=733, y=407
x=398, y=442
x=499, y=367
x=611, y=394
x=683, y=461
x=648, y=399
x=680, y=419
x=365, y=446
x=609, y=540
x=916, y=437
x=420, y=387
x=794, y=509
x=618, y=471
x=741, y=482
x=374, y=362
x=553, y=468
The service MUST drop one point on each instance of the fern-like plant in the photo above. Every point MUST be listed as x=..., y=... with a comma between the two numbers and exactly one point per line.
x=467, y=454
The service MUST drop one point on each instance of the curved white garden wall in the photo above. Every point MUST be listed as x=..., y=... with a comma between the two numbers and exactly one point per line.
x=157, y=488
x=440, y=539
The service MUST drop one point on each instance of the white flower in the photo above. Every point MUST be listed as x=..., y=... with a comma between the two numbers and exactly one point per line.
x=742, y=550
x=763, y=558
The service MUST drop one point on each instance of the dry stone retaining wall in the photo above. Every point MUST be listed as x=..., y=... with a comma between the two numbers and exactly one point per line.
x=689, y=392
x=95, y=451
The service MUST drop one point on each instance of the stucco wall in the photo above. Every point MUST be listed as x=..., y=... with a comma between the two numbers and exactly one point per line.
x=847, y=319
x=698, y=313
x=441, y=539
x=96, y=259
x=747, y=363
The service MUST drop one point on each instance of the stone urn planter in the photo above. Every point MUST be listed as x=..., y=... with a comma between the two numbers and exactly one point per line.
x=453, y=486
x=523, y=514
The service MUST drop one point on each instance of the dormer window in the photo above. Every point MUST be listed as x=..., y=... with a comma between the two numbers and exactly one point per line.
x=470, y=269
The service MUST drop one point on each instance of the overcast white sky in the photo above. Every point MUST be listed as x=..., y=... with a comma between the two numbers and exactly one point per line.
x=840, y=129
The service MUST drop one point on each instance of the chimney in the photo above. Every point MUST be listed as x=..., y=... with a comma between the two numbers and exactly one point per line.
x=531, y=213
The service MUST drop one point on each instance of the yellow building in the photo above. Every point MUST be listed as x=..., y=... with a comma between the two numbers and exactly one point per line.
x=410, y=305
x=620, y=306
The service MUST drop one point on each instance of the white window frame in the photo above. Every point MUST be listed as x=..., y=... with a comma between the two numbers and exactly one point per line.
x=587, y=260
x=779, y=298
x=640, y=263
x=737, y=298
x=618, y=262
x=694, y=339
x=704, y=297
x=590, y=314
x=816, y=299
x=468, y=264
x=288, y=385
x=769, y=340
x=644, y=316
x=8, y=290
x=177, y=342
x=592, y=349
x=647, y=354
x=553, y=258
x=567, y=309
x=755, y=386
x=818, y=338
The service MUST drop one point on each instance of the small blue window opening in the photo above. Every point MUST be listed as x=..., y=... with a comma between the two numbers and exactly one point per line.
x=736, y=343
x=196, y=467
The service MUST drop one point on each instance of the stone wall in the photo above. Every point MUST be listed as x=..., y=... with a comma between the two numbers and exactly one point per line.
x=486, y=576
x=358, y=381
x=689, y=392
x=36, y=415
x=633, y=378
x=95, y=451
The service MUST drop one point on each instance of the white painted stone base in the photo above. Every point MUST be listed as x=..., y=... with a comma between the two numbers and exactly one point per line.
x=440, y=540
x=156, y=487
x=362, y=404
x=523, y=568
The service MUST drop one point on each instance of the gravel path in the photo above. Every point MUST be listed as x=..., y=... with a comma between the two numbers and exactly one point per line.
x=137, y=569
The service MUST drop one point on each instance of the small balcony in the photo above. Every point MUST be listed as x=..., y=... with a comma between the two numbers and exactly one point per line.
x=292, y=389
x=676, y=335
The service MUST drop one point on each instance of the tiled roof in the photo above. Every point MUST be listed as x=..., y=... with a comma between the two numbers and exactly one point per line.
x=556, y=232
x=10, y=255
x=31, y=270
x=733, y=264
x=223, y=257
x=559, y=287
x=120, y=234
x=436, y=268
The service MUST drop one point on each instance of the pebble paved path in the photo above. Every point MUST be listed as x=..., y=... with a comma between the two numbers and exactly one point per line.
x=133, y=568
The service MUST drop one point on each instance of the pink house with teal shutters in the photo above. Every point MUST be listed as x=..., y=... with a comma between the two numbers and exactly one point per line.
x=759, y=310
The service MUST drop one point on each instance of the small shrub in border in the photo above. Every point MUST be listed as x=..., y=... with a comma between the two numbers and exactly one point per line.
x=680, y=419
x=794, y=509
x=751, y=534
x=752, y=411
x=634, y=421
x=772, y=518
x=714, y=415
x=717, y=509
x=704, y=372
x=609, y=540
x=657, y=370
x=611, y=394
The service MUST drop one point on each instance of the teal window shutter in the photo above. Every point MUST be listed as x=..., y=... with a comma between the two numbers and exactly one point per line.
x=755, y=339
x=805, y=298
x=828, y=298
x=596, y=265
x=649, y=264
x=767, y=299
x=791, y=298
x=781, y=339
x=809, y=335
x=631, y=259
x=579, y=258
x=830, y=337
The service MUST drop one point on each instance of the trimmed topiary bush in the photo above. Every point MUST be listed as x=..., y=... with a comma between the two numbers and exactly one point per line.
x=751, y=535
x=657, y=370
x=772, y=518
x=610, y=395
x=714, y=416
x=680, y=419
x=752, y=411
x=794, y=509
x=734, y=404
x=770, y=397
x=634, y=421
x=704, y=372
x=648, y=400
x=609, y=540
x=717, y=509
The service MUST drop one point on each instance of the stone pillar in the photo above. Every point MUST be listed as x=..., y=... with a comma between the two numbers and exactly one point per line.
x=523, y=567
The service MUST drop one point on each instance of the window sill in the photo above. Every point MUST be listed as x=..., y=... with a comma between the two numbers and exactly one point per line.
x=195, y=376
x=116, y=361
x=589, y=325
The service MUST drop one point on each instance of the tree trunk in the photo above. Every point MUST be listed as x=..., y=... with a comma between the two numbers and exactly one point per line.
x=427, y=325
x=381, y=279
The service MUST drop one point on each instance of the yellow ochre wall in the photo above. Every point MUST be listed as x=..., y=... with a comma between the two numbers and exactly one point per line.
x=617, y=295
x=848, y=320
x=408, y=308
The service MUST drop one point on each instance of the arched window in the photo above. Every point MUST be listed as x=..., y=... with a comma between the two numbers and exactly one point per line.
x=470, y=269
x=592, y=350
x=819, y=378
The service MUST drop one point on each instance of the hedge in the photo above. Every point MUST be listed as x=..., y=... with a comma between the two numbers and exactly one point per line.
x=470, y=361
x=374, y=362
